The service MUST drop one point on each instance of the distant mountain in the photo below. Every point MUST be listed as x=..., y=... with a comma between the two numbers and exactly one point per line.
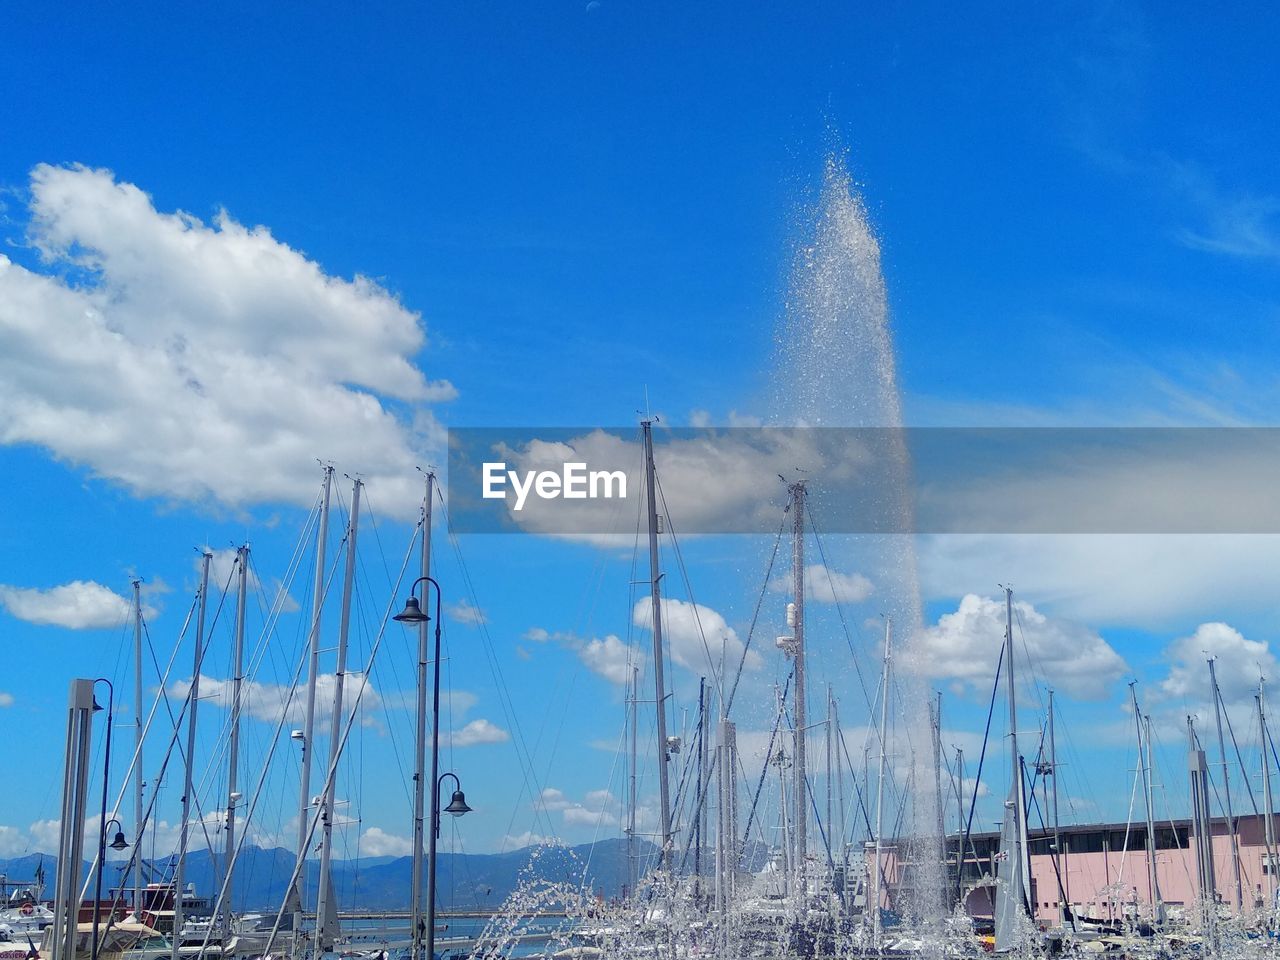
x=480, y=881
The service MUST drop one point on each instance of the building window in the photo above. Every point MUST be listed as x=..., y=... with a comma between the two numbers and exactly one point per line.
x=1270, y=864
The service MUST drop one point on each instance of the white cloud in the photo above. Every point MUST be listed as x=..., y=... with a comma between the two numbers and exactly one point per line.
x=478, y=731
x=200, y=361
x=267, y=701
x=965, y=645
x=6, y=699
x=376, y=842
x=824, y=585
x=552, y=800
x=1238, y=662
x=610, y=658
x=1132, y=580
x=693, y=633
x=598, y=806
x=13, y=842
x=464, y=612
x=78, y=605
x=519, y=841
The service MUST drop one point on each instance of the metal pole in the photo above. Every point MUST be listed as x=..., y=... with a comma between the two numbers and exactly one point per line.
x=1226, y=790
x=1268, y=822
x=1202, y=820
x=1020, y=813
x=801, y=712
x=844, y=836
x=1058, y=851
x=313, y=670
x=937, y=791
x=664, y=797
x=75, y=801
x=633, y=870
x=419, y=769
x=959, y=822
x=233, y=751
x=184, y=827
x=874, y=903
x=324, y=908
x=138, y=783
x=830, y=731
x=435, y=790
x=699, y=801
x=101, y=853
x=1157, y=900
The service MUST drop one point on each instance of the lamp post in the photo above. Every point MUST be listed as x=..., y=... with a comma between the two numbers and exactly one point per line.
x=456, y=808
x=413, y=615
x=119, y=842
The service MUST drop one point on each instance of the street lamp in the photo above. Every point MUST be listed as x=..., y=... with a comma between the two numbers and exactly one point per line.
x=119, y=842
x=413, y=614
x=457, y=805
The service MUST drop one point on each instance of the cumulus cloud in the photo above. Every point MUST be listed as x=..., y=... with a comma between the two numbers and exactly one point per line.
x=824, y=585
x=1238, y=661
x=376, y=842
x=465, y=613
x=6, y=699
x=608, y=656
x=268, y=701
x=478, y=731
x=693, y=633
x=598, y=806
x=965, y=646
x=518, y=841
x=78, y=605
x=202, y=361
x=13, y=842
x=1123, y=579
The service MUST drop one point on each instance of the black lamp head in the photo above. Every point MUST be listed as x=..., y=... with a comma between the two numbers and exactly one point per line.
x=458, y=805
x=412, y=612
x=119, y=843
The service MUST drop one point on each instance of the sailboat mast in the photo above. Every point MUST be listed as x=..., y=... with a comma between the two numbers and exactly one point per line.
x=420, y=758
x=233, y=748
x=1144, y=761
x=1058, y=852
x=183, y=828
x=325, y=909
x=632, y=866
x=660, y=693
x=313, y=670
x=801, y=767
x=1020, y=811
x=831, y=786
x=959, y=820
x=876, y=870
x=1226, y=789
x=1268, y=821
x=837, y=739
x=700, y=803
x=1202, y=825
x=138, y=783
x=937, y=790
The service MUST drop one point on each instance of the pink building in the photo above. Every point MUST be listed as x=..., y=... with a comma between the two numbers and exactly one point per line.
x=1103, y=870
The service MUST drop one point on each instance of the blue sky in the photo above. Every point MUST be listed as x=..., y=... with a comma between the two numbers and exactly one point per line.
x=588, y=204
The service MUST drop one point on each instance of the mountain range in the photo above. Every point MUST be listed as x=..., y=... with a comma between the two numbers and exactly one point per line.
x=465, y=881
